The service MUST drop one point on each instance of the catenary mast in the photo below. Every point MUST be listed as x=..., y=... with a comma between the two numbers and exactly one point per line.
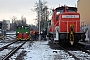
x=39, y=18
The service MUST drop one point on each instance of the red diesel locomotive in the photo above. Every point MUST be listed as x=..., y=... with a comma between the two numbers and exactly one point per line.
x=65, y=25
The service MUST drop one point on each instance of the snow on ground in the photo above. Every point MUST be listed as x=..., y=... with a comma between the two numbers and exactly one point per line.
x=3, y=53
x=40, y=50
x=15, y=55
x=3, y=44
x=81, y=55
x=7, y=40
x=10, y=37
x=11, y=32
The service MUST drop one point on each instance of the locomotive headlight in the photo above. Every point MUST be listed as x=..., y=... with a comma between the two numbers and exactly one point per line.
x=17, y=32
x=26, y=32
x=22, y=26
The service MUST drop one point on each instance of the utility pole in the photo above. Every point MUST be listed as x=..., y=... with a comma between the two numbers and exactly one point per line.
x=42, y=14
x=39, y=18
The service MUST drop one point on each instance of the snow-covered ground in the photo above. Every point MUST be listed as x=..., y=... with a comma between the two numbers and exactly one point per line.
x=81, y=55
x=10, y=37
x=39, y=50
x=7, y=40
x=9, y=48
x=11, y=32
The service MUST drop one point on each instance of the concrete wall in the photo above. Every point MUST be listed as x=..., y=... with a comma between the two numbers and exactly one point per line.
x=84, y=10
x=89, y=31
x=6, y=23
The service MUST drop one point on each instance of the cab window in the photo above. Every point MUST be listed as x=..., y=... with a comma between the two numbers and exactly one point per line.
x=69, y=10
x=26, y=27
x=18, y=27
x=59, y=11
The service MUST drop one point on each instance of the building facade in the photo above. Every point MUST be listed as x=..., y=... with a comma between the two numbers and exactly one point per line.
x=6, y=24
x=84, y=10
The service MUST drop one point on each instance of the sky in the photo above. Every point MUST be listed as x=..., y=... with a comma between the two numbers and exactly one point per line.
x=10, y=8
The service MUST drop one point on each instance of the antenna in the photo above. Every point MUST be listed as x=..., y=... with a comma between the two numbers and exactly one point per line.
x=64, y=5
x=75, y=5
x=59, y=5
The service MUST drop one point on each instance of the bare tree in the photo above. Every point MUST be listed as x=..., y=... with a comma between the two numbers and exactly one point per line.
x=18, y=22
x=13, y=25
x=44, y=13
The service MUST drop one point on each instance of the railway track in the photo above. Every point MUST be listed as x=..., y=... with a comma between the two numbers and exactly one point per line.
x=68, y=52
x=10, y=49
x=79, y=54
x=13, y=51
x=82, y=54
x=82, y=49
x=2, y=48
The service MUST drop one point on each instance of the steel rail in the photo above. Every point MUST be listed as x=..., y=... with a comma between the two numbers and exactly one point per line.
x=79, y=47
x=13, y=51
x=2, y=48
x=68, y=52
